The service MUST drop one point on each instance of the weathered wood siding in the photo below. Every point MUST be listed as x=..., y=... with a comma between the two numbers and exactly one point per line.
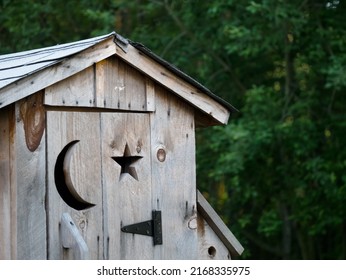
x=85, y=171
x=7, y=198
x=127, y=198
x=30, y=171
x=22, y=180
x=109, y=84
x=173, y=175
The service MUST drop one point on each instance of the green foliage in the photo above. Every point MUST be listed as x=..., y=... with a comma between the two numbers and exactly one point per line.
x=36, y=23
x=276, y=173
x=282, y=158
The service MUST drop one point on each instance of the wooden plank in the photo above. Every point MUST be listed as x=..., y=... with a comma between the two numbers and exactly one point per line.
x=29, y=169
x=6, y=203
x=150, y=94
x=172, y=82
x=119, y=86
x=100, y=80
x=135, y=88
x=111, y=201
x=173, y=176
x=85, y=173
x=57, y=72
x=127, y=197
x=218, y=226
x=209, y=244
x=110, y=84
x=77, y=90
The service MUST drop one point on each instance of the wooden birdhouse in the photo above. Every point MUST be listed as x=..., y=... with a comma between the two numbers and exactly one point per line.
x=97, y=156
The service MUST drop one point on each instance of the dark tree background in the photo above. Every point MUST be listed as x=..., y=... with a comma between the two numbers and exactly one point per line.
x=277, y=172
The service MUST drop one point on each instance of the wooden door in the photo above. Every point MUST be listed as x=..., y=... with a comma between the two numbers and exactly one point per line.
x=108, y=166
x=127, y=165
x=85, y=172
x=126, y=175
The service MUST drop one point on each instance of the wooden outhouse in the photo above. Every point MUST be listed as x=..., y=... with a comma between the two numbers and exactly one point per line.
x=97, y=156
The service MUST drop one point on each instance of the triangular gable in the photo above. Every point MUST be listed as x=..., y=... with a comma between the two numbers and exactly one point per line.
x=25, y=73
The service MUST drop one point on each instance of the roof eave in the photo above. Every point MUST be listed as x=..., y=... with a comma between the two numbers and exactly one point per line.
x=57, y=71
x=141, y=58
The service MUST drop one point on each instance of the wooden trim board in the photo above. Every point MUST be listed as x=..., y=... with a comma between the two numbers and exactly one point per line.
x=162, y=75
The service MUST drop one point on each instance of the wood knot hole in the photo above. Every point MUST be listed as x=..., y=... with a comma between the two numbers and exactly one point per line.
x=161, y=155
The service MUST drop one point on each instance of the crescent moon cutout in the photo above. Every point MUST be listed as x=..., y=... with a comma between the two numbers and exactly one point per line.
x=63, y=181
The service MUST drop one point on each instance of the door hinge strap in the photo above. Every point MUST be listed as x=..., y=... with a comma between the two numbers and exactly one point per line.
x=150, y=228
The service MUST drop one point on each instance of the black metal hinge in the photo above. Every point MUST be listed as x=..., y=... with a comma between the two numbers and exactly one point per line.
x=150, y=228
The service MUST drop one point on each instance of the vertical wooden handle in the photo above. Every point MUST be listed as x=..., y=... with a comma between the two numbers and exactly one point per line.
x=72, y=239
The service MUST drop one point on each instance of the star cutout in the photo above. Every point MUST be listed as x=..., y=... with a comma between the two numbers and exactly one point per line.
x=126, y=161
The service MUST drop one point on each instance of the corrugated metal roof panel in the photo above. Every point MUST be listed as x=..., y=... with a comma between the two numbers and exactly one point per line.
x=19, y=65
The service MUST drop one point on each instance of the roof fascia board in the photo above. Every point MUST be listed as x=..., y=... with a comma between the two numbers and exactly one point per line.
x=57, y=72
x=163, y=76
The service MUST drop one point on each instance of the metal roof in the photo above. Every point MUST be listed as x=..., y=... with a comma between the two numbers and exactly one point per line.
x=16, y=66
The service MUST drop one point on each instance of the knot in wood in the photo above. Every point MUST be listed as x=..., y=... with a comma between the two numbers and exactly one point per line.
x=161, y=155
